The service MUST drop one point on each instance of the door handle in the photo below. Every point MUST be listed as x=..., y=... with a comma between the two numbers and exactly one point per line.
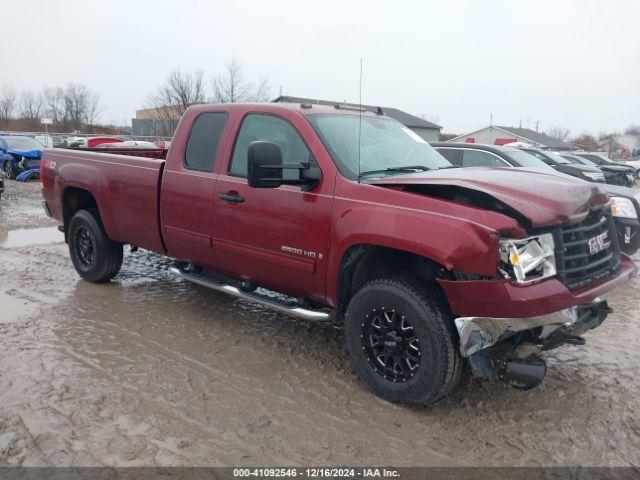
x=231, y=197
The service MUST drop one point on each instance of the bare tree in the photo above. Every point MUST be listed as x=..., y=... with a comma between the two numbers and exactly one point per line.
x=632, y=130
x=8, y=100
x=179, y=92
x=30, y=108
x=231, y=86
x=53, y=104
x=81, y=106
x=558, y=132
x=586, y=141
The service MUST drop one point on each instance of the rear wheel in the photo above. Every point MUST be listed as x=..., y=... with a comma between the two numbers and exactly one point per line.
x=95, y=256
x=11, y=172
x=401, y=341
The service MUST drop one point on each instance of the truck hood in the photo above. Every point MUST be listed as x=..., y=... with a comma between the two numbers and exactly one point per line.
x=578, y=167
x=543, y=199
x=616, y=168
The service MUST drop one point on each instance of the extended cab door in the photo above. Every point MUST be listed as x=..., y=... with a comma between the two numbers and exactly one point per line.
x=274, y=237
x=188, y=185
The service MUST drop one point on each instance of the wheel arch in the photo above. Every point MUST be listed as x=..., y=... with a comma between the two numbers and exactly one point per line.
x=361, y=263
x=74, y=199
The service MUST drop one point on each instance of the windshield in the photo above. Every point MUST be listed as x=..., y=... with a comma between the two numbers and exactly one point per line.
x=553, y=156
x=24, y=144
x=386, y=146
x=525, y=159
x=580, y=160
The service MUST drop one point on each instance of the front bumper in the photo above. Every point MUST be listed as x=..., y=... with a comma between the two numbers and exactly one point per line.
x=507, y=299
x=478, y=333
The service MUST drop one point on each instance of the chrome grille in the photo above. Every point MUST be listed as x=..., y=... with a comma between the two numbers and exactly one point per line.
x=576, y=263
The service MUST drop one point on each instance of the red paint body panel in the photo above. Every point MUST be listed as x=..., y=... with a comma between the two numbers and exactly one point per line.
x=294, y=241
x=546, y=199
x=508, y=299
x=125, y=189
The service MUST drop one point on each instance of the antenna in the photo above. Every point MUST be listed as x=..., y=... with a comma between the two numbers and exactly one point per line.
x=360, y=120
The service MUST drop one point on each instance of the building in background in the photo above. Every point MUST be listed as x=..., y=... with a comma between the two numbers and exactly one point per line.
x=429, y=131
x=155, y=122
x=497, y=135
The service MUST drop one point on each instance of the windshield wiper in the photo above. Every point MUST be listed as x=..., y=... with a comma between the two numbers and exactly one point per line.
x=448, y=166
x=408, y=168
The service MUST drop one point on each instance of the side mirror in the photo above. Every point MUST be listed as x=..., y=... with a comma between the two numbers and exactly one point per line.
x=264, y=165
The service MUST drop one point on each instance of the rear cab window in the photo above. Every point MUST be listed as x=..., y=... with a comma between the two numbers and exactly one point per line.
x=203, y=141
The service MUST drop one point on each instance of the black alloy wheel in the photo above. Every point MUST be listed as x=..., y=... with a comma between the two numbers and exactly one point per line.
x=390, y=344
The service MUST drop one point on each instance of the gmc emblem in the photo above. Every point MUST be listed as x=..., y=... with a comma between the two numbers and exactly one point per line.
x=599, y=243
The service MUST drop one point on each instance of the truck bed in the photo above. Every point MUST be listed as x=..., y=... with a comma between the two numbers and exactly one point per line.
x=126, y=188
x=157, y=153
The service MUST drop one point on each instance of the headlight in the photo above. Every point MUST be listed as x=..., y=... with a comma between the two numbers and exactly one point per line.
x=597, y=176
x=529, y=259
x=631, y=177
x=623, y=207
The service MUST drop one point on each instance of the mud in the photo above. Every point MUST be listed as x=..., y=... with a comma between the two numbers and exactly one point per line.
x=149, y=370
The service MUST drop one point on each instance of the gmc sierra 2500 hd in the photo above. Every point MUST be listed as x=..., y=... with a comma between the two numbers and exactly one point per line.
x=354, y=216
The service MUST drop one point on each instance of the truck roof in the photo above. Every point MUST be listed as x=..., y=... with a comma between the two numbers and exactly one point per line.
x=302, y=108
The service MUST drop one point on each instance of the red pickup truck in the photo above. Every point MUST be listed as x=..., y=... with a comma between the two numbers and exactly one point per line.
x=349, y=215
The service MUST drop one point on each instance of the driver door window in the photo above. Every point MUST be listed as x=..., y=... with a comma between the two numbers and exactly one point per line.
x=269, y=128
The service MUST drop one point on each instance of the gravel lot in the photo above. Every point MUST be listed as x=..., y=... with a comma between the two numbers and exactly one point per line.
x=150, y=370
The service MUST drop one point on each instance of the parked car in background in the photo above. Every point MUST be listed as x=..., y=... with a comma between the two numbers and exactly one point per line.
x=562, y=165
x=93, y=142
x=19, y=153
x=625, y=202
x=635, y=164
x=613, y=173
x=129, y=144
x=46, y=140
x=74, y=142
x=600, y=160
x=484, y=155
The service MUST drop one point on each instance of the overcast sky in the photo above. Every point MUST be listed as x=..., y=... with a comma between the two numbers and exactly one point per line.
x=565, y=63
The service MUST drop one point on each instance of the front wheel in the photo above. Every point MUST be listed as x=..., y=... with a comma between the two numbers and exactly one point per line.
x=401, y=341
x=95, y=256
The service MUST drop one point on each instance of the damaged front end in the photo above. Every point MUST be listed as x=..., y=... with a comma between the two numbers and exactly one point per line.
x=506, y=349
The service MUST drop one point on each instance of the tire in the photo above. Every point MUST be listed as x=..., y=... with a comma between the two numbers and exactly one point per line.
x=11, y=172
x=95, y=256
x=424, y=309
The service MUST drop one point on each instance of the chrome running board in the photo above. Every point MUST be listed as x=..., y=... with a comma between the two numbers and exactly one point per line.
x=284, y=307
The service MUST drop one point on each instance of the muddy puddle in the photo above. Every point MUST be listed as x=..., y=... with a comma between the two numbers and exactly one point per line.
x=151, y=370
x=25, y=237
